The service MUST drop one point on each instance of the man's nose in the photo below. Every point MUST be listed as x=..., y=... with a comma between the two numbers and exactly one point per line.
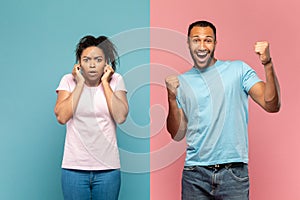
x=202, y=45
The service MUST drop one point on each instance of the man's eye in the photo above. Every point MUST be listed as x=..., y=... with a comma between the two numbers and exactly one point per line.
x=85, y=60
x=99, y=60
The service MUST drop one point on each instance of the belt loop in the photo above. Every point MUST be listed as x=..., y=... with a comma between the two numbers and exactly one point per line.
x=228, y=165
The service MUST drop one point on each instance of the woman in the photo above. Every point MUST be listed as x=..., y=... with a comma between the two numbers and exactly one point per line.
x=90, y=101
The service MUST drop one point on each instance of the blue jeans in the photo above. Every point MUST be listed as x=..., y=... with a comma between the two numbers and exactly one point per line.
x=204, y=183
x=87, y=185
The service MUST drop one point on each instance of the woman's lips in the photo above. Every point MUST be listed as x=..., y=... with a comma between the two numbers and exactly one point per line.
x=92, y=73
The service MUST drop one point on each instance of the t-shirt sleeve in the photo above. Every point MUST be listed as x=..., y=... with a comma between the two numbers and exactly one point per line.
x=67, y=83
x=120, y=84
x=249, y=77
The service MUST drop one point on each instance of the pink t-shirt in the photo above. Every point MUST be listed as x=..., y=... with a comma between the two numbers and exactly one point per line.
x=90, y=142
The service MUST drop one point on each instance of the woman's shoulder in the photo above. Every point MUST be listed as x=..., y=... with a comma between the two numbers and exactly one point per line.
x=116, y=75
x=68, y=79
x=68, y=76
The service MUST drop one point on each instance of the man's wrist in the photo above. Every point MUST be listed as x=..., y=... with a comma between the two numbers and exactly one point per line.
x=171, y=94
x=269, y=61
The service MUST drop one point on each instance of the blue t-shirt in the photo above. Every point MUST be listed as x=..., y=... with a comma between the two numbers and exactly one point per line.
x=215, y=102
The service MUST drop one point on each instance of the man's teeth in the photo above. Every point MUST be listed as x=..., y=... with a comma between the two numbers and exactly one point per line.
x=201, y=53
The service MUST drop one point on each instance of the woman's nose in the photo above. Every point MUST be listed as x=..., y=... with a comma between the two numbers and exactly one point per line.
x=92, y=64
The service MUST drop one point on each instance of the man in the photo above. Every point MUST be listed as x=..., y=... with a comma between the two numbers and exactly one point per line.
x=209, y=105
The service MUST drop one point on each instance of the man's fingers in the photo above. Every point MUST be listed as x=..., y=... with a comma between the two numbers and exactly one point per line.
x=172, y=82
x=261, y=47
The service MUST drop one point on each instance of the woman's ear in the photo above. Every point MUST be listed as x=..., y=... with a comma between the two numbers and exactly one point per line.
x=78, y=65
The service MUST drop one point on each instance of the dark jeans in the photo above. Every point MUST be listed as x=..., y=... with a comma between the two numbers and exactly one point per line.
x=87, y=185
x=203, y=183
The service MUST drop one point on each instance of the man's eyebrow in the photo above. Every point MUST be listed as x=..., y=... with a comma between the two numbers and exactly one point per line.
x=196, y=36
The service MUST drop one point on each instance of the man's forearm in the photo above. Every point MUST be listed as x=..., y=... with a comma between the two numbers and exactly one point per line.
x=176, y=124
x=272, y=90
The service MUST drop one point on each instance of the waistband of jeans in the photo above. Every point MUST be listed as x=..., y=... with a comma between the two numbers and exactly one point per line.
x=224, y=165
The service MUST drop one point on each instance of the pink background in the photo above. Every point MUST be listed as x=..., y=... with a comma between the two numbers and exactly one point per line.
x=274, y=138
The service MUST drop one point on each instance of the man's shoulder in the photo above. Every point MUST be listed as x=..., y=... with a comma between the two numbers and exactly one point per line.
x=237, y=62
x=189, y=72
x=231, y=62
x=232, y=65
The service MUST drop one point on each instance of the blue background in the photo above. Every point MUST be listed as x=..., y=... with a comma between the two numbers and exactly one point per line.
x=38, y=40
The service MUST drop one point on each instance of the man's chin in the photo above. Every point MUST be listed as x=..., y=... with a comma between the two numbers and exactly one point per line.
x=204, y=64
x=201, y=65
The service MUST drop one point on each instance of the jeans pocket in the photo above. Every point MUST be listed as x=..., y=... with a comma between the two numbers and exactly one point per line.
x=189, y=168
x=239, y=173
